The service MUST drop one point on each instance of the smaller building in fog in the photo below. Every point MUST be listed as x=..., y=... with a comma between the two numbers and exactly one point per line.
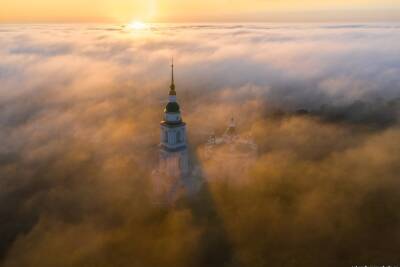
x=231, y=148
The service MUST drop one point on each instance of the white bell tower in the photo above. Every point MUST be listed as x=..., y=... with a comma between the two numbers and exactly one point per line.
x=174, y=160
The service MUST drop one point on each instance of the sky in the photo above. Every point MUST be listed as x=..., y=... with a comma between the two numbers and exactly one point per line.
x=198, y=11
x=80, y=107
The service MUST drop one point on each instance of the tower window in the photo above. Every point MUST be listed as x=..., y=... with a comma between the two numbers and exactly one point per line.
x=166, y=137
x=178, y=136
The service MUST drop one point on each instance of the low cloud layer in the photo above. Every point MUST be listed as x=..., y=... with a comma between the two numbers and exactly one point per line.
x=79, y=113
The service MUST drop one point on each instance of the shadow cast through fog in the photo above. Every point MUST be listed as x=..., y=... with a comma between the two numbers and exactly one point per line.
x=215, y=248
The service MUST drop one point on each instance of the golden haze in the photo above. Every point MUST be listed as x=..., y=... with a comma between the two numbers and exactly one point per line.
x=186, y=11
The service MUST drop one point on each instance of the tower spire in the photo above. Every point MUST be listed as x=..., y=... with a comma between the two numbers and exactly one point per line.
x=172, y=66
x=172, y=86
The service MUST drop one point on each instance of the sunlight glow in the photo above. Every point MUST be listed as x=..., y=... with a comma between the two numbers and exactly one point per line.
x=137, y=25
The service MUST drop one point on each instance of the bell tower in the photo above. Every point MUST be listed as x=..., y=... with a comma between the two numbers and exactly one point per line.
x=174, y=159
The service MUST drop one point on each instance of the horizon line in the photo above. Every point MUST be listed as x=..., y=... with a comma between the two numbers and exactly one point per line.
x=198, y=22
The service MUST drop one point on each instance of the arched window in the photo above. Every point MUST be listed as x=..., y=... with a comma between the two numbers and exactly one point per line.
x=178, y=136
x=166, y=137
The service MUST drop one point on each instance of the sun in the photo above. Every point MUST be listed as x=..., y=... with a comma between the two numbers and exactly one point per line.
x=137, y=25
